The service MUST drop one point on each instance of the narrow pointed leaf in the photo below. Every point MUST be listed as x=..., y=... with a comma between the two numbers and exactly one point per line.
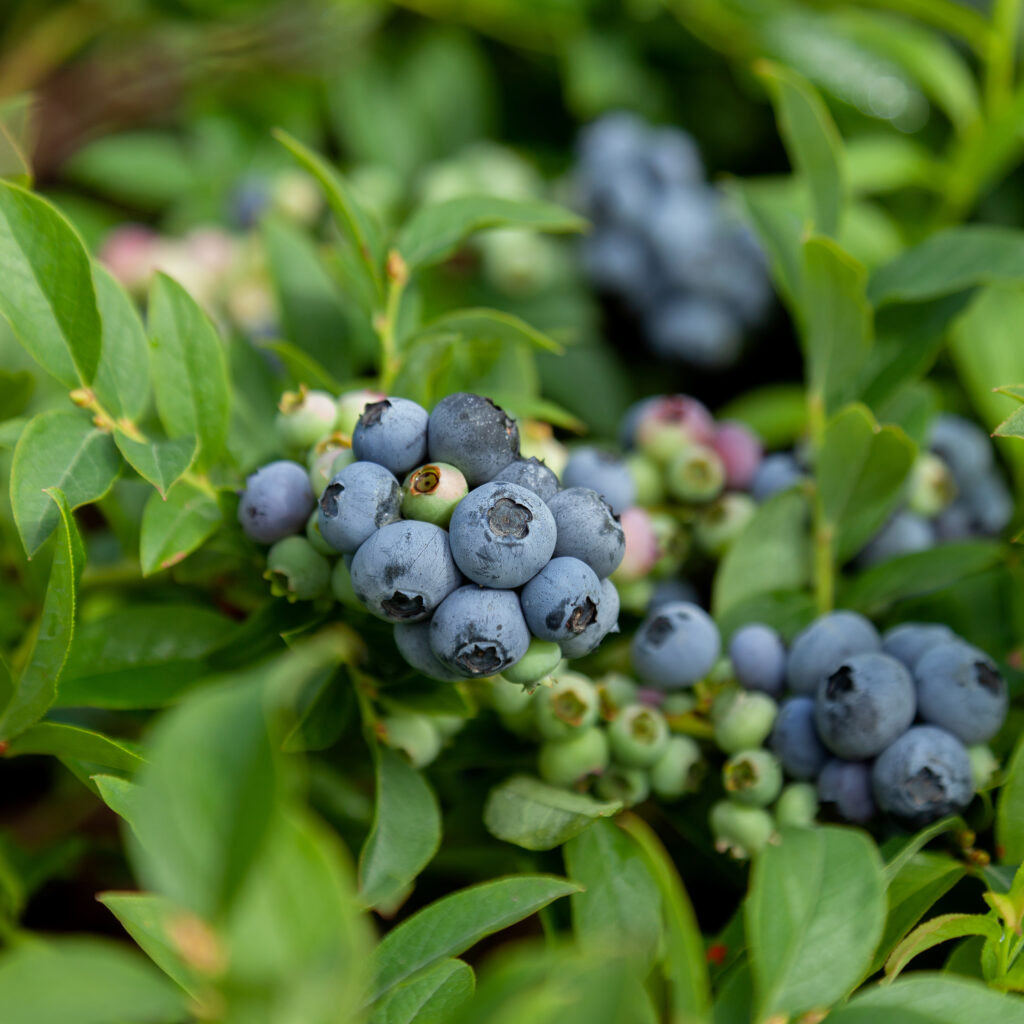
x=160, y=462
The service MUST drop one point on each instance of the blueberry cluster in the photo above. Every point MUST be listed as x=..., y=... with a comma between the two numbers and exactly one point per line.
x=665, y=241
x=482, y=561
x=868, y=725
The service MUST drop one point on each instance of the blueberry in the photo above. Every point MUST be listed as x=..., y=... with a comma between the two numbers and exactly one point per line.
x=740, y=830
x=740, y=450
x=846, y=787
x=627, y=786
x=587, y=529
x=775, y=474
x=963, y=446
x=617, y=260
x=678, y=770
x=673, y=157
x=473, y=433
x=276, y=502
x=818, y=650
x=326, y=461
x=695, y=474
x=742, y=719
x=758, y=658
x=296, y=570
x=607, y=621
x=502, y=535
x=753, y=777
x=638, y=736
x=569, y=704
x=532, y=474
x=671, y=592
x=567, y=762
x=413, y=640
x=350, y=406
x=923, y=776
x=616, y=136
x=908, y=641
x=357, y=502
x=479, y=632
x=416, y=736
x=392, y=433
x=795, y=739
x=959, y=688
x=675, y=646
x=955, y=522
x=541, y=659
x=431, y=493
x=863, y=705
x=603, y=472
x=990, y=503
x=404, y=571
x=797, y=806
x=562, y=600
x=721, y=523
x=698, y=331
x=629, y=425
x=904, y=534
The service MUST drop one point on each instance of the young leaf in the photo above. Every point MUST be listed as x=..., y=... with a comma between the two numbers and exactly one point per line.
x=160, y=462
x=88, y=981
x=950, y=261
x=936, y=931
x=47, y=295
x=190, y=369
x=1012, y=426
x=861, y=470
x=487, y=323
x=122, y=797
x=61, y=449
x=62, y=740
x=1010, y=810
x=434, y=231
x=174, y=527
x=812, y=141
x=620, y=906
x=431, y=996
x=406, y=830
x=122, y=377
x=37, y=685
x=453, y=924
x=935, y=998
x=531, y=814
x=818, y=897
x=837, y=322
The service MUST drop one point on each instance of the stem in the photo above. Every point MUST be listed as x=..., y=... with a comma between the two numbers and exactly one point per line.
x=386, y=325
x=824, y=534
x=1001, y=56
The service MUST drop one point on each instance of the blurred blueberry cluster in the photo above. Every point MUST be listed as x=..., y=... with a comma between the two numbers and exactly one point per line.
x=666, y=243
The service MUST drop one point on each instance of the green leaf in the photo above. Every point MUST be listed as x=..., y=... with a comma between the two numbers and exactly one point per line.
x=488, y=324
x=174, y=527
x=950, y=261
x=1010, y=810
x=47, y=295
x=16, y=390
x=453, y=924
x=121, y=796
x=356, y=225
x=812, y=141
x=37, y=685
x=684, y=961
x=1012, y=426
x=875, y=589
x=932, y=998
x=620, y=906
x=779, y=225
x=531, y=814
x=818, y=897
x=935, y=932
x=861, y=469
x=60, y=449
x=837, y=321
x=776, y=413
x=878, y=164
x=302, y=367
x=149, y=920
x=122, y=377
x=438, y=229
x=1013, y=390
x=406, y=830
x=62, y=740
x=430, y=997
x=87, y=981
x=202, y=818
x=190, y=369
x=159, y=462
x=771, y=554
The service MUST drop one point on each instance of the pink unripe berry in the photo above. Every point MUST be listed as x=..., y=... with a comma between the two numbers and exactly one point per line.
x=741, y=452
x=642, y=547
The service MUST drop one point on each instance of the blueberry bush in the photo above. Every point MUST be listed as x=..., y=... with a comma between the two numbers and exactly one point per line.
x=510, y=512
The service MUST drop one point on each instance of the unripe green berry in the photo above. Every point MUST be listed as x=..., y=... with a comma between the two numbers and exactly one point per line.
x=932, y=486
x=615, y=691
x=350, y=406
x=742, y=719
x=565, y=707
x=542, y=658
x=315, y=537
x=753, y=777
x=635, y=595
x=448, y=725
x=507, y=698
x=677, y=706
x=628, y=786
x=431, y=493
x=678, y=770
x=341, y=586
x=723, y=521
x=303, y=417
x=296, y=570
x=662, y=442
x=415, y=735
x=797, y=806
x=650, y=490
x=638, y=736
x=695, y=474
x=326, y=458
x=740, y=830
x=566, y=762
x=984, y=766
x=673, y=544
